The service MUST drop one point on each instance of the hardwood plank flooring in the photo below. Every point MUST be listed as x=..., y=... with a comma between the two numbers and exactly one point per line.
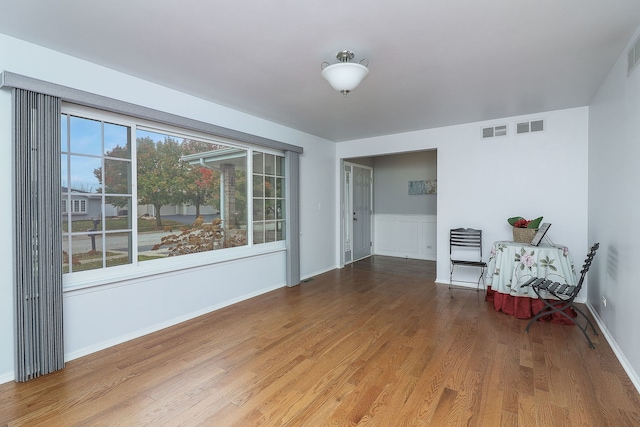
x=376, y=343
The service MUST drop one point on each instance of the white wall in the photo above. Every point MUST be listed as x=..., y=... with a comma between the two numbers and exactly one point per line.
x=103, y=316
x=481, y=183
x=405, y=236
x=614, y=207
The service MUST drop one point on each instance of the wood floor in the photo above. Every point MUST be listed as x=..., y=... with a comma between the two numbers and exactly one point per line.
x=376, y=343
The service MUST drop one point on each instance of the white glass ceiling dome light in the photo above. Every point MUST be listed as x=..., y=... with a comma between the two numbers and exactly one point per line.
x=344, y=76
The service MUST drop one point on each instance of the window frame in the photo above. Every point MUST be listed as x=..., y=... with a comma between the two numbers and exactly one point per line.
x=138, y=269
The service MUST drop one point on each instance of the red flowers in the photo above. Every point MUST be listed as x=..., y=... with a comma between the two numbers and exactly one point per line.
x=519, y=222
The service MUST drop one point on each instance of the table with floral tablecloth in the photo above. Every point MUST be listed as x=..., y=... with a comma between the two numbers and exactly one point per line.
x=512, y=264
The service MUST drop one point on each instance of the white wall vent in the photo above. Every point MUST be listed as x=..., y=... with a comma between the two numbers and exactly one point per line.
x=532, y=126
x=490, y=132
x=634, y=56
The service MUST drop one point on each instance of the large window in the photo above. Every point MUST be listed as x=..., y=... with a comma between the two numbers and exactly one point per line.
x=176, y=194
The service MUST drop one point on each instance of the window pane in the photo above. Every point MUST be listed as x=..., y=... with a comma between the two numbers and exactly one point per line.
x=117, y=212
x=86, y=251
x=269, y=164
x=82, y=174
x=258, y=232
x=270, y=231
x=116, y=141
x=65, y=215
x=117, y=176
x=258, y=209
x=257, y=163
x=85, y=136
x=279, y=165
x=64, y=172
x=280, y=230
x=118, y=248
x=279, y=187
x=65, y=251
x=269, y=209
x=258, y=186
x=269, y=186
x=280, y=209
x=64, y=133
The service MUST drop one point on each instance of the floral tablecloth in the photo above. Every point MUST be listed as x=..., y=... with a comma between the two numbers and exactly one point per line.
x=511, y=264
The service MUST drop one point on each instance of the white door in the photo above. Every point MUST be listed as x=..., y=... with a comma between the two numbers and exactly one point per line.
x=361, y=210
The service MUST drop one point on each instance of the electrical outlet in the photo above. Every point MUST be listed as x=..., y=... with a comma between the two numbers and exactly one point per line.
x=604, y=301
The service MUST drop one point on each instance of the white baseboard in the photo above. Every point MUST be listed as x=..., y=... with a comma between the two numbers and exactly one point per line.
x=633, y=375
x=316, y=273
x=5, y=378
x=406, y=254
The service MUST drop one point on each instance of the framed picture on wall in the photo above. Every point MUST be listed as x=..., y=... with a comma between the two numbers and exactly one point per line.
x=417, y=188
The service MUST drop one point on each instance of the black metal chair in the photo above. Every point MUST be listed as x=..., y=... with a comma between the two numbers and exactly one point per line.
x=563, y=295
x=469, y=241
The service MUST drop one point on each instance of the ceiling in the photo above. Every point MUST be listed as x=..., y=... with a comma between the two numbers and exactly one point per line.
x=432, y=62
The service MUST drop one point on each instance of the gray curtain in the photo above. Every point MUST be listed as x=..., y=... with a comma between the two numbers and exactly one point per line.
x=38, y=242
x=292, y=165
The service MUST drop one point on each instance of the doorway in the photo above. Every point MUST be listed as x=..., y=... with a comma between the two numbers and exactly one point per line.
x=404, y=224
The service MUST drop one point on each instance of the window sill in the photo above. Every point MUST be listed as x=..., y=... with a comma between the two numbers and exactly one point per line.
x=116, y=275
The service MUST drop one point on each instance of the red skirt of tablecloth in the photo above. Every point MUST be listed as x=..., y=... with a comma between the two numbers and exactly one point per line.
x=524, y=307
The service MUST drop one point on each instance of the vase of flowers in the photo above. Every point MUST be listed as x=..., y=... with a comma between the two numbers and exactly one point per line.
x=524, y=229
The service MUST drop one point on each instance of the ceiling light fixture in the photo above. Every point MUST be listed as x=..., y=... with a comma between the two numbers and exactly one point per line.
x=344, y=76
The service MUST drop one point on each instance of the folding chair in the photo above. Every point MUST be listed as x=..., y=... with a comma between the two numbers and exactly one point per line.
x=564, y=296
x=469, y=241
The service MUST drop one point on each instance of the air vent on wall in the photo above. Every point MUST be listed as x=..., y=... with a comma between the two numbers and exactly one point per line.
x=494, y=131
x=532, y=126
x=634, y=56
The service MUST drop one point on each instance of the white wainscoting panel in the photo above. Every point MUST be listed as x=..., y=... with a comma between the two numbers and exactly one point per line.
x=406, y=236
